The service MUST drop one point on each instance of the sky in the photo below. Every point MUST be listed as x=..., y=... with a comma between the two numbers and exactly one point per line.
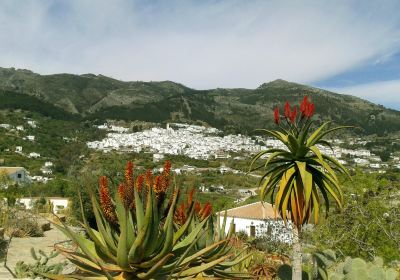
x=350, y=47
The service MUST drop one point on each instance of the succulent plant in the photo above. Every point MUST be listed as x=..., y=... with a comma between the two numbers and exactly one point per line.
x=39, y=267
x=138, y=235
x=359, y=269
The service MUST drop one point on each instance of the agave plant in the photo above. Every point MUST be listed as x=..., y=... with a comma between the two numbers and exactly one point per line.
x=138, y=237
x=214, y=234
x=297, y=176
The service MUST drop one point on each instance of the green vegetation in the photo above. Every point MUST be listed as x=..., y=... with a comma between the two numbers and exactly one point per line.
x=369, y=224
x=359, y=269
x=39, y=267
x=97, y=98
x=59, y=141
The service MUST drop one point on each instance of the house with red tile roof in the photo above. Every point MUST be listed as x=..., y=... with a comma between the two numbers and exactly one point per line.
x=257, y=220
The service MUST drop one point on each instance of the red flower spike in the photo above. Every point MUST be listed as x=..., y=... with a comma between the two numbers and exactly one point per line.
x=149, y=178
x=207, y=209
x=129, y=173
x=167, y=168
x=122, y=192
x=180, y=214
x=287, y=110
x=293, y=115
x=309, y=110
x=303, y=105
x=276, y=115
x=157, y=186
x=105, y=201
x=190, y=196
x=197, y=208
x=139, y=182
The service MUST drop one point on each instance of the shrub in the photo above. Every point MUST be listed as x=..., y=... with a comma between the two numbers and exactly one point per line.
x=21, y=224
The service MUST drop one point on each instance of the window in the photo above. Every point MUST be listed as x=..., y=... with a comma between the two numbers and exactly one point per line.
x=252, y=231
x=19, y=175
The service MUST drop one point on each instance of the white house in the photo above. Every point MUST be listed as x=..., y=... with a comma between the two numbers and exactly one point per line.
x=34, y=155
x=46, y=171
x=257, y=219
x=59, y=203
x=5, y=125
x=32, y=124
x=157, y=157
x=18, y=149
x=223, y=169
x=361, y=161
x=247, y=192
x=30, y=137
x=17, y=174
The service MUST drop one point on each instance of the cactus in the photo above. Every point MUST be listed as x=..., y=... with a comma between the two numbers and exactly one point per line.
x=138, y=235
x=326, y=268
x=352, y=269
x=39, y=267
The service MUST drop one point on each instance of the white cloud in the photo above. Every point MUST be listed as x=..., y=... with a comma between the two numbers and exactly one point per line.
x=386, y=93
x=202, y=44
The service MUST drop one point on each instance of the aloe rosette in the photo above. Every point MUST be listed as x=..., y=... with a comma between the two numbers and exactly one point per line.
x=296, y=177
x=138, y=236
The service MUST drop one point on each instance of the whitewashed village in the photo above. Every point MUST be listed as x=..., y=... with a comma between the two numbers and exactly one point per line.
x=200, y=142
x=193, y=141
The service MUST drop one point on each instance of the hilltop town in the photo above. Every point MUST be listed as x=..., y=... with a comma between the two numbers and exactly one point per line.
x=201, y=142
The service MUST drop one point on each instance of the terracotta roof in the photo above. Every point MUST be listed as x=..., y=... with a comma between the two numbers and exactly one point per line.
x=10, y=170
x=257, y=210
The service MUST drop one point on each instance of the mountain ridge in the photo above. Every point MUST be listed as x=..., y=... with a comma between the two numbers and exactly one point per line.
x=98, y=97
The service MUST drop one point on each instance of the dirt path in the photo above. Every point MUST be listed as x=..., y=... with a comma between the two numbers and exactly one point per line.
x=19, y=250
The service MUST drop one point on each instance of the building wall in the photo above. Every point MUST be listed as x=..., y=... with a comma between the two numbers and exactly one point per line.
x=19, y=176
x=29, y=201
x=275, y=228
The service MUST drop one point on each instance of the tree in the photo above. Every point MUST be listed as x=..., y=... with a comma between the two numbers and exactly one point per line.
x=369, y=225
x=9, y=189
x=300, y=174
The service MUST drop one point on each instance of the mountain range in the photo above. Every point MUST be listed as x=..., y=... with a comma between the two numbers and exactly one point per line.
x=239, y=110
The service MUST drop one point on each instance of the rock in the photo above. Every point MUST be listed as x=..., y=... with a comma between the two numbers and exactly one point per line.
x=45, y=226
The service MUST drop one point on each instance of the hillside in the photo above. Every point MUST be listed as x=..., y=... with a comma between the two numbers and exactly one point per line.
x=96, y=97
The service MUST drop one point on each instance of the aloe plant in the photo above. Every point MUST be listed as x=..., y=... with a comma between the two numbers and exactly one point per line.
x=214, y=235
x=139, y=237
x=300, y=177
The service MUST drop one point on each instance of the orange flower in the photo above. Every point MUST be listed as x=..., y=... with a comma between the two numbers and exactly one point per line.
x=106, y=203
x=207, y=209
x=190, y=196
x=303, y=105
x=139, y=182
x=126, y=194
x=287, y=110
x=149, y=178
x=157, y=187
x=276, y=115
x=129, y=173
x=197, y=208
x=180, y=214
x=167, y=167
x=293, y=115
x=310, y=110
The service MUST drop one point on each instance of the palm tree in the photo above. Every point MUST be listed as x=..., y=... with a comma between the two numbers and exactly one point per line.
x=297, y=176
